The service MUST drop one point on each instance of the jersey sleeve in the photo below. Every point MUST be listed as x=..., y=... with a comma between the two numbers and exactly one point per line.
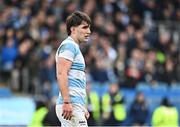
x=67, y=51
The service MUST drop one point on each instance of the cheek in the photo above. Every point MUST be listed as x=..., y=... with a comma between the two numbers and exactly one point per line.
x=80, y=32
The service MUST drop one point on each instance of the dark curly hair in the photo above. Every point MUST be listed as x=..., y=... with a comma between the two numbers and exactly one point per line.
x=76, y=19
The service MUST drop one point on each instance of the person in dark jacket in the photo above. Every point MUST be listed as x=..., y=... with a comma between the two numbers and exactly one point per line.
x=138, y=110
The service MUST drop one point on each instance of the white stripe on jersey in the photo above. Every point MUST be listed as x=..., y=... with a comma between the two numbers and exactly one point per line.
x=77, y=92
x=77, y=74
x=66, y=54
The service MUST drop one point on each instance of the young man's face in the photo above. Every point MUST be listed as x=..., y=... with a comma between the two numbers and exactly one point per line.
x=83, y=32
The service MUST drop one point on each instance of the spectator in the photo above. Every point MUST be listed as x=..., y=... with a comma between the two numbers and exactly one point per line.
x=149, y=71
x=135, y=65
x=9, y=52
x=165, y=115
x=120, y=64
x=169, y=75
x=93, y=104
x=113, y=108
x=21, y=64
x=40, y=113
x=138, y=111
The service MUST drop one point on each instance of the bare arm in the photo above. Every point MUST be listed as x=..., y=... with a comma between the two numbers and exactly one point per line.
x=62, y=69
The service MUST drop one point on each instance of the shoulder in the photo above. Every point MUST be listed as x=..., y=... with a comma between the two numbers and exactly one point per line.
x=69, y=41
x=68, y=45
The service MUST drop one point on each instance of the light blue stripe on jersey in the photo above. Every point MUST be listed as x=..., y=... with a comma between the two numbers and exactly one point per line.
x=78, y=66
x=74, y=99
x=77, y=99
x=77, y=83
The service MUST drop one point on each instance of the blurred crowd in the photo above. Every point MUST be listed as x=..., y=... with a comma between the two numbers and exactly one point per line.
x=132, y=41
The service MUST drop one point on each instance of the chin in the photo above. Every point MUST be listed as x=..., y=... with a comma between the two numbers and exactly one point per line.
x=86, y=40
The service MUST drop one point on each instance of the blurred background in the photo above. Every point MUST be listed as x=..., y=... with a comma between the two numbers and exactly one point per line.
x=132, y=61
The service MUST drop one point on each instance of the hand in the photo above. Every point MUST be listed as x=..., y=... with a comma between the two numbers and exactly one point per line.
x=67, y=110
x=87, y=115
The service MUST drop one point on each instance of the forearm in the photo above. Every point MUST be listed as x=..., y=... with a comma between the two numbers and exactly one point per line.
x=63, y=85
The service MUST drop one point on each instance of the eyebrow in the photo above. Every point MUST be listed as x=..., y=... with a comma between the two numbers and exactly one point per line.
x=85, y=26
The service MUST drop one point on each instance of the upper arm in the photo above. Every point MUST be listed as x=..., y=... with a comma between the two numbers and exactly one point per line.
x=63, y=66
x=65, y=56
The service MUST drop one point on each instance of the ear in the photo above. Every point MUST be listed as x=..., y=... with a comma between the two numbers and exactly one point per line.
x=72, y=29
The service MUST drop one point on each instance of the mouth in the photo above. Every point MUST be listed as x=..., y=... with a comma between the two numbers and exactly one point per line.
x=86, y=37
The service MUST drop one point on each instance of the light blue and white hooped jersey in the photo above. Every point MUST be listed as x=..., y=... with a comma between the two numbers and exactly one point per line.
x=76, y=76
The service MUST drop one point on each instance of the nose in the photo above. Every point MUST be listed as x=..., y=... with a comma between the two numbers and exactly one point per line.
x=88, y=31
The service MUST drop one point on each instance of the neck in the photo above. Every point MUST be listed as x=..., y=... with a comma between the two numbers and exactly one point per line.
x=74, y=38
